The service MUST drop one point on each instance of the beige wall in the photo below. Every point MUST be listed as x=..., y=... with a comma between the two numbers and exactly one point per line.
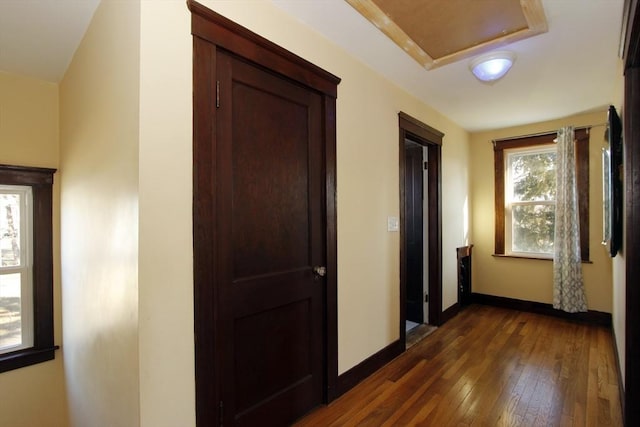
x=368, y=255
x=34, y=395
x=525, y=279
x=167, y=385
x=28, y=121
x=99, y=221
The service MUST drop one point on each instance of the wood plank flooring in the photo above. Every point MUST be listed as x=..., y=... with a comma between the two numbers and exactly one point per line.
x=490, y=366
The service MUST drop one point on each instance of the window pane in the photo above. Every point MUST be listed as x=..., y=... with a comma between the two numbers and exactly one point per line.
x=9, y=230
x=10, y=315
x=533, y=228
x=533, y=176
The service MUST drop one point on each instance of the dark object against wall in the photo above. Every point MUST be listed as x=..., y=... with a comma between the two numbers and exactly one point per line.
x=612, y=171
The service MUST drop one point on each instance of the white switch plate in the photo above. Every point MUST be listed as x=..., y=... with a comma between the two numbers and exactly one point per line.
x=393, y=223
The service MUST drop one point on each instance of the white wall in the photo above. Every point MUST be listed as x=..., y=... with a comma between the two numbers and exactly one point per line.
x=99, y=192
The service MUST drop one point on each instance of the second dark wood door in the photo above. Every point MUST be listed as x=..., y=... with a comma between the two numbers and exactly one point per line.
x=270, y=227
x=413, y=216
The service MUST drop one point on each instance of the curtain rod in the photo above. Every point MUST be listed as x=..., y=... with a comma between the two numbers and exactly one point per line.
x=493, y=141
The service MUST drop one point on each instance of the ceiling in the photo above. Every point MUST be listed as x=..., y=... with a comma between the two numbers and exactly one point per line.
x=39, y=37
x=439, y=32
x=572, y=68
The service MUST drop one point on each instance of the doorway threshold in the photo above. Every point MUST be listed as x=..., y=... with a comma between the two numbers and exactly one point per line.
x=418, y=333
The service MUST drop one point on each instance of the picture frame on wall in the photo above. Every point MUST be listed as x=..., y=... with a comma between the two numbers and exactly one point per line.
x=612, y=175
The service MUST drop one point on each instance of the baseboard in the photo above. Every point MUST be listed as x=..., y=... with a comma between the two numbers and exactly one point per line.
x=362, y=370
x=449, y=313
x=619, y=371
x=591, y=316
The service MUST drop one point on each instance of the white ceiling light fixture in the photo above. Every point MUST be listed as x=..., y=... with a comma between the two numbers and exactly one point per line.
x=490, y=67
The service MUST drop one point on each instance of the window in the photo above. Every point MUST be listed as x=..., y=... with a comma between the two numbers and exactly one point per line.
x=530, y=185
x=16, y=321
x=525, y=187
x=26, y=266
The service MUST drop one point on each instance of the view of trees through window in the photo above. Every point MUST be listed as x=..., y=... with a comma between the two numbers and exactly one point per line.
x=10, y=271
x=525, y=194
x=26, y=266
x=531, y=184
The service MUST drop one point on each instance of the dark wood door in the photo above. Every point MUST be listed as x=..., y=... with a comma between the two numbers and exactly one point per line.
x=270, y=206
x=264, y=217
x=413, y=213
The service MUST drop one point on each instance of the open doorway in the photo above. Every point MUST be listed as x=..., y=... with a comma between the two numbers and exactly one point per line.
x=420, y=227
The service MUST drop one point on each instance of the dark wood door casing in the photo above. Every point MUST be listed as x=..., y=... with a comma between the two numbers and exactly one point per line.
x=218, y=45
x=420, y=133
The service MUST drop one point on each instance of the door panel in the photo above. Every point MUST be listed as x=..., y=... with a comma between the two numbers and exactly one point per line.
x=260, y=375
x=270, y=225
x=413, y=230
x=270, y=182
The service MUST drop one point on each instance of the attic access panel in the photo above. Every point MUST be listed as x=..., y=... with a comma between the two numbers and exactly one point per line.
x=439, y=32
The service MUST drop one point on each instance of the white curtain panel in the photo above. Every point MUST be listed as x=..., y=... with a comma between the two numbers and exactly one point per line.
x=568, y=288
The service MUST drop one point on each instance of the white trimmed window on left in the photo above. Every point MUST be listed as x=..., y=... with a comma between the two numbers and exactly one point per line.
x=26, y=266
x=16, y=255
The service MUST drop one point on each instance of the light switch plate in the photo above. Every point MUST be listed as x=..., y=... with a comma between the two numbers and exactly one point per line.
x=393, y=223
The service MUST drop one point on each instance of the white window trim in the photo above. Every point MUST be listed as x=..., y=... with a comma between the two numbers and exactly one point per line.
x=26, y=267
x=509, y=203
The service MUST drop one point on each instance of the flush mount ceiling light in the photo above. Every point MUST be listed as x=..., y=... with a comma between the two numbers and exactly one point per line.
x=492, y=66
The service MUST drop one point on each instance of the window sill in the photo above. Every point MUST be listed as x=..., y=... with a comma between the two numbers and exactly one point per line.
x=30, y=356
x=532, y=257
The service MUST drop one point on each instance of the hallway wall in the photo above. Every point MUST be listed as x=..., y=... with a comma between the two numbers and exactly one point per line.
x=34, y=395
x=99, y=112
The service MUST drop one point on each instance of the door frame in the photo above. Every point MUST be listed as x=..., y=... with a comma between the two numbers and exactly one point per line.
x=212, y=32
x=425, y=135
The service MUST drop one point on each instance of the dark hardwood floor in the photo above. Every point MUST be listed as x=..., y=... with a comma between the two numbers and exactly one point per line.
x=490, y=366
